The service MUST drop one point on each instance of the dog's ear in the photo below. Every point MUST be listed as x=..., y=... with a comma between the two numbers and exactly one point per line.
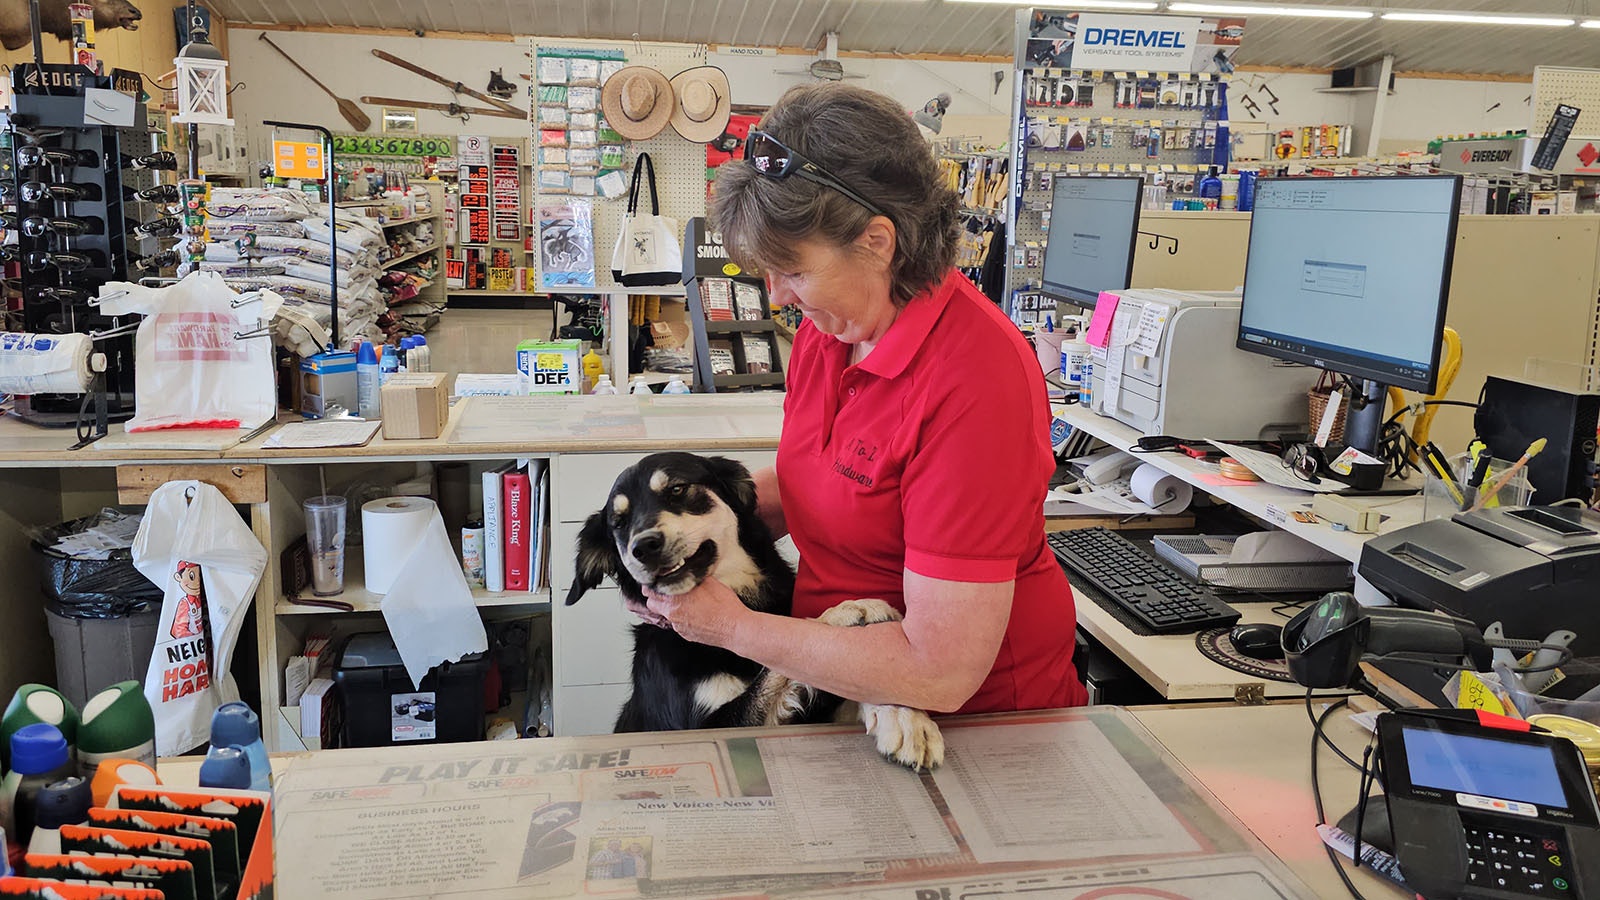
x=597, y=557
x=738, y=486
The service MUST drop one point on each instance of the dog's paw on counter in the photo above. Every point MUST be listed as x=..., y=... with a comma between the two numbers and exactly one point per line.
x=906, y=736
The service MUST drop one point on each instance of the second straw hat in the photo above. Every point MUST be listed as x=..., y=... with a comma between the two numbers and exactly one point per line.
x=637, y=102
x=703, y=105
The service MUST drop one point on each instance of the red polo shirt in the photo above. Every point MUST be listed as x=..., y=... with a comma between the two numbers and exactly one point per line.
x=933, y=455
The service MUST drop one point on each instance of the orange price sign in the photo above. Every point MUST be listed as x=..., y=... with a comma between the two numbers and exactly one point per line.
x=297, y=159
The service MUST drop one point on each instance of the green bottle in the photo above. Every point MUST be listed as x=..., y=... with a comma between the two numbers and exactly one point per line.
x=117, y=723
x=34, y=703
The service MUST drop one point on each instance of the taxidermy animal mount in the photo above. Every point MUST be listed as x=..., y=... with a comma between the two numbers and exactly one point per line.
x=54, y=19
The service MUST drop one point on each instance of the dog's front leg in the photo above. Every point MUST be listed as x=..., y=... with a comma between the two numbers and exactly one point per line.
x=906, y=736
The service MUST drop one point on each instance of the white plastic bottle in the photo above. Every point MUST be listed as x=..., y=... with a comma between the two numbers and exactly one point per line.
x=675, y=385
x=604, y=386
x=367, y=397
x=638, y=386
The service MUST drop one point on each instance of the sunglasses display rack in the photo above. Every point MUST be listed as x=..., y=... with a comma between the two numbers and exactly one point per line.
x=75, y=230
x=734, y=333
x=1168, y=127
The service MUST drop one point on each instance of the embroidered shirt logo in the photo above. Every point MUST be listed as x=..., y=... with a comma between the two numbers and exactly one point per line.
x=858, y=455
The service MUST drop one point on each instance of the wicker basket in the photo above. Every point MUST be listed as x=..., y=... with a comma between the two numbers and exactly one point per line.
x=1317, y=403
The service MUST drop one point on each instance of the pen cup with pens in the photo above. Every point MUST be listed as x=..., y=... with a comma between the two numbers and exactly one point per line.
x=1466, y=486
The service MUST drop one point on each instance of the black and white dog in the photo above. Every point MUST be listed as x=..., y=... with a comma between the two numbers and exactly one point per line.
x=672, y=520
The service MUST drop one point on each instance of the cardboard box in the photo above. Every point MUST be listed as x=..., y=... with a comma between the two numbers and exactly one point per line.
x=328, y=383
x=416, y=405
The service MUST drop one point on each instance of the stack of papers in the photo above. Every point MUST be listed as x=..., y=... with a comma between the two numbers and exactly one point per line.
x=322, y=433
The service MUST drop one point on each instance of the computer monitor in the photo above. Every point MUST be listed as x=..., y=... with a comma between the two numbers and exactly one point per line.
x=1093, y=225
x=1351, y=275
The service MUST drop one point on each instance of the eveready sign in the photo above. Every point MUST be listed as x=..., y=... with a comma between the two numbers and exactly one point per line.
x=1162, y=43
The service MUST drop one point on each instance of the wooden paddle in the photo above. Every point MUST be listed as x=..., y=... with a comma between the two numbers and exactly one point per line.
x=351, y=112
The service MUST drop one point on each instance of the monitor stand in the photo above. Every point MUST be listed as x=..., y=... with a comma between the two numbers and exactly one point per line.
x=1361, y=430
x=1363, y=421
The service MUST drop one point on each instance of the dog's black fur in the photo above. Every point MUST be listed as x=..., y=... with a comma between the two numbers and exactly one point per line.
x=668, y=669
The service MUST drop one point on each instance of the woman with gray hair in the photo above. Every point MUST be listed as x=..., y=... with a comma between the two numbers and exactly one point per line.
x=915, y=452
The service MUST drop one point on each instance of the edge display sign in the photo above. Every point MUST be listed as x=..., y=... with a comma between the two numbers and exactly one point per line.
x=1066, y=39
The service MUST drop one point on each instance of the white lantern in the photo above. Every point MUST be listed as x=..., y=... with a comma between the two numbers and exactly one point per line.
x=202, y=81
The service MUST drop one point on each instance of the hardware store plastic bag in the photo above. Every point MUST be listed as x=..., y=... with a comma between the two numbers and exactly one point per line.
x=208, y=562
x=198, y=363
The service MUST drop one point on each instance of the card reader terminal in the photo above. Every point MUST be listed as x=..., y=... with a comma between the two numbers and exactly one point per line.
x=1481, y=812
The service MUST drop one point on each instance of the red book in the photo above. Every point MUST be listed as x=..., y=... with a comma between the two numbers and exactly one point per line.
x=518, y=506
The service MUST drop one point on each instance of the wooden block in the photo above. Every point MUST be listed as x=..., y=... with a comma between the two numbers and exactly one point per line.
x=240, y=484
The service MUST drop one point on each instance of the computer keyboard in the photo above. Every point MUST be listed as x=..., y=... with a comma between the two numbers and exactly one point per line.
x=1152, y=594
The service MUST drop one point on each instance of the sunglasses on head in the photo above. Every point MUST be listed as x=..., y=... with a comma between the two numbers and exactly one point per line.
x=772, y=158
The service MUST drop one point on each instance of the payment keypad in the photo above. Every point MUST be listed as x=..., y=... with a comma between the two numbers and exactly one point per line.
x=1501, y=859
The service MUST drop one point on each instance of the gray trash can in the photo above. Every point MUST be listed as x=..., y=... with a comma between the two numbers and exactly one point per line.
x=102, y=615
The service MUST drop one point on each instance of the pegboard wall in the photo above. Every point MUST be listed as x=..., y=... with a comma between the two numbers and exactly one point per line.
x=1070, y=122
x=680, y=166
x=1574, y=87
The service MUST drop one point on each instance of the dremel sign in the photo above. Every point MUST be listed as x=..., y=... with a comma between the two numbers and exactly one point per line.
x=1158, y=43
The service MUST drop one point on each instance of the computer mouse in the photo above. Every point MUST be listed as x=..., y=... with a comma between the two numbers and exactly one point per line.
x=1261, y=640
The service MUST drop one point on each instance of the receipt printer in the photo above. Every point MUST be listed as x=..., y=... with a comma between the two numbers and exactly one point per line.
x=1535, y=569
x=1172, y=367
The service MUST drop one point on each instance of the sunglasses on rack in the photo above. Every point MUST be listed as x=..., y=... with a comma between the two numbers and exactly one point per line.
x=772, y=158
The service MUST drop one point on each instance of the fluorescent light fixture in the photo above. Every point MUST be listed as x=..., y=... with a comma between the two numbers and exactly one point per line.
x=1250, y=9
x=1078, y=4
x=1477, y=19
x=1590, y=23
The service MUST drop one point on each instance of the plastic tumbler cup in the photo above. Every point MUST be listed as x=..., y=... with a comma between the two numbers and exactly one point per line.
x=325, y=540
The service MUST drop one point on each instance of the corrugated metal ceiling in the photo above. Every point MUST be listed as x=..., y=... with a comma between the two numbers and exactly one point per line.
x=941, y=27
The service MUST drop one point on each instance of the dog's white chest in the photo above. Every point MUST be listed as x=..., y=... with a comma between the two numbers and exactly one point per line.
x=718, y=691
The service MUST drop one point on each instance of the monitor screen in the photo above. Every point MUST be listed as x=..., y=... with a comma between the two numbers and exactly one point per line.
x=1351, y=274
x=1093, y=224
x=1485, y=767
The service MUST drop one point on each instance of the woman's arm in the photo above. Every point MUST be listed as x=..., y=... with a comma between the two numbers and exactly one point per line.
x=769, y=504
x=934, y=659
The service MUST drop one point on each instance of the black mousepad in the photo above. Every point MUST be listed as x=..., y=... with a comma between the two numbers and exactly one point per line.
x=1215, y=645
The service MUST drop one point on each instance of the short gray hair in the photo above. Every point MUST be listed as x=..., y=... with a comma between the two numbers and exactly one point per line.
x=866, y=140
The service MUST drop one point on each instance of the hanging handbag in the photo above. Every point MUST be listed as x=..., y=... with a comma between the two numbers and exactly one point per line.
x=647, y=251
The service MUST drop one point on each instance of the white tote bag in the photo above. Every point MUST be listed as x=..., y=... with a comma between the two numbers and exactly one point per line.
x=647, y=251
x=209, y=562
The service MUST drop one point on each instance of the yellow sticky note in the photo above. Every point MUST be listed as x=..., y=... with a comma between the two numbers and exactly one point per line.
x=550, y=361
x=1474, y=694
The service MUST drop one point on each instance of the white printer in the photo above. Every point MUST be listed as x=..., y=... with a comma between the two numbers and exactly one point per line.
x=1172, y=367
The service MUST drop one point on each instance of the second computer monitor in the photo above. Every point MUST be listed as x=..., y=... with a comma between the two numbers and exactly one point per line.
x=1093, y=225
x=1351, y=274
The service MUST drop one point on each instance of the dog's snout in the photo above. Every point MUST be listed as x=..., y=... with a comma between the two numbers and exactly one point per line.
x=647, y=546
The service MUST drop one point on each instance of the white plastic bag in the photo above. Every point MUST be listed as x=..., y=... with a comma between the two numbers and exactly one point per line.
x=193, y=543
x=196, y=365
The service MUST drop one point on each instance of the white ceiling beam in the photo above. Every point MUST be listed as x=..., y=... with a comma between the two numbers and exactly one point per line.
x=783, y=39
x=810, y=34
x=761, y=33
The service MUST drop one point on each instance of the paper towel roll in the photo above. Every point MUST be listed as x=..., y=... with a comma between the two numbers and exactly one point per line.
x=391, y=530
x=44, y=363
x=1167, y=494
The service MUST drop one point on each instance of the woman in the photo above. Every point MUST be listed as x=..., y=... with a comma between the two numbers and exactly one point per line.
x=915, y=451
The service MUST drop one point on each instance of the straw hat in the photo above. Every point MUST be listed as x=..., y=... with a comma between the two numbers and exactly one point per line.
x=703, y=105
x=637, y=102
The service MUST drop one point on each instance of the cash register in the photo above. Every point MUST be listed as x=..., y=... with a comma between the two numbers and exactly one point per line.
x=1534, y=569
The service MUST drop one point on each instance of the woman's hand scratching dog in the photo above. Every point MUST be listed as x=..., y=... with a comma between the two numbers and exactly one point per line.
x=708, y=613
